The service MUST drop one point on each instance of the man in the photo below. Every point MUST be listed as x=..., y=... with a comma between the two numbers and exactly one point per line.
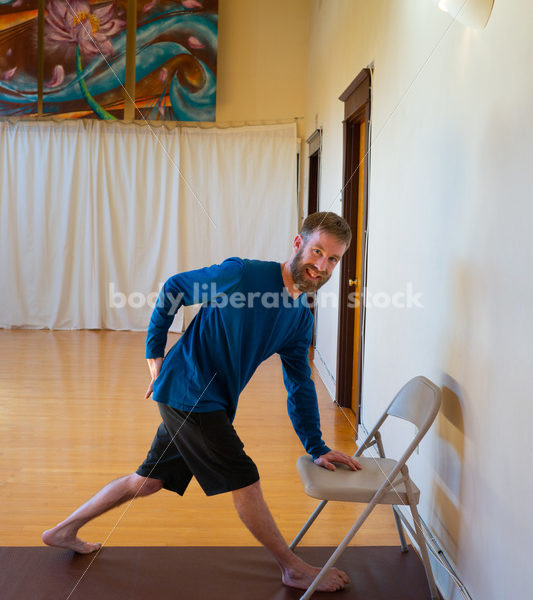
x=251, y=310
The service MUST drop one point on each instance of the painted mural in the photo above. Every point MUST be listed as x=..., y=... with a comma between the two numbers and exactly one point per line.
x=176, y=60
x=18, y=58
x=84, y=59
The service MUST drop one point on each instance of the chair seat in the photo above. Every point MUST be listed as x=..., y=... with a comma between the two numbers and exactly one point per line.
x=343, y=484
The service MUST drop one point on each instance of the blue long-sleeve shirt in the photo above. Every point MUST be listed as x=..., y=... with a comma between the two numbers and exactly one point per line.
x=246, y=316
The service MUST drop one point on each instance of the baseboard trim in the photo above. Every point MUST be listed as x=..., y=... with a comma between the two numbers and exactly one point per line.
x=325, y=374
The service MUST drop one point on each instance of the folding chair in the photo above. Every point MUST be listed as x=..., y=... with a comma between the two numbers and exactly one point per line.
x=381, y=480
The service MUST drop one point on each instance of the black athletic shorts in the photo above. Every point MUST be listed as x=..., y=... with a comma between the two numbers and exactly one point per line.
x=201, y=444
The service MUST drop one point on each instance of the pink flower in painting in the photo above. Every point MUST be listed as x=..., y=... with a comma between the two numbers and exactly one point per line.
x=163, y=75
x=16, y=4
x=58, y=76
x=149, y=6
x=79, y=23
x=195, y=43
x=192, y=4
x=9, y=74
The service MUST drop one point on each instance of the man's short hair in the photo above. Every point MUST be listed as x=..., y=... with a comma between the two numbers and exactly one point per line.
x=329, y=223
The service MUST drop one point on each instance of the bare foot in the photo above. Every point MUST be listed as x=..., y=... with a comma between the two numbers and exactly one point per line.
x=61, y=536
x=303, y=576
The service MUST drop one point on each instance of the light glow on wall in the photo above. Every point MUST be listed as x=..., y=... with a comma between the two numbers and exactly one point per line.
x=473, y=13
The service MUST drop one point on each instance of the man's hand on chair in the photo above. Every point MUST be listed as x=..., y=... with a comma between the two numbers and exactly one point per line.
x=334, y=456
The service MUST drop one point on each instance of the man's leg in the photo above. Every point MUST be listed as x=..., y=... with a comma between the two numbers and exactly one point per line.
x=255, y=514
x=64, y=535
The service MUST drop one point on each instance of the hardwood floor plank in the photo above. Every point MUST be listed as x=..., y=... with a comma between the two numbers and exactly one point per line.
x=73, y=416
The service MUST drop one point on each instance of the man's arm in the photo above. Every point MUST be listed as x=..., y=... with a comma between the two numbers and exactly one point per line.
x=154, y=364
x=185, y=289
x=302, y=404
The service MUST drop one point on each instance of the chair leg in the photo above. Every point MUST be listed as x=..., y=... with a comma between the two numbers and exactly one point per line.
x=340, y=549
x=332, y=560
x=401, y=533
x=308, y=524
x=424, y=552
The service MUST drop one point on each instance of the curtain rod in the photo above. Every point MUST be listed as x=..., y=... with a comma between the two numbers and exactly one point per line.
x=216, y=124
x=167, y=124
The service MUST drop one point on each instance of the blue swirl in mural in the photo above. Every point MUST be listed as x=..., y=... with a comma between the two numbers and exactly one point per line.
x=187, y=105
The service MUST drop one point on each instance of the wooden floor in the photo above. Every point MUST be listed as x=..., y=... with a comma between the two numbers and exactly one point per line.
x=73, y=416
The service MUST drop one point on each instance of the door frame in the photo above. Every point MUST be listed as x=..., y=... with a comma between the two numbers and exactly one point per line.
x=357, y=107
x=314, y=144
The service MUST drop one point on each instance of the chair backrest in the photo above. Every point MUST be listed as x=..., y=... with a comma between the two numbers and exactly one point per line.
x=418, y=402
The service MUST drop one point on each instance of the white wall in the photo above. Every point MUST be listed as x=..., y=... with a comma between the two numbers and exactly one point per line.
x=262, y=49
x=262, y=58
x=450, y=211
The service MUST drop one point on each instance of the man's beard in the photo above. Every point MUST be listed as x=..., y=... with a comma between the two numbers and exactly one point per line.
x=300, y=279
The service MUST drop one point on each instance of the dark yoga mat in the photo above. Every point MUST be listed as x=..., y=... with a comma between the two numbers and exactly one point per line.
x=187, y=573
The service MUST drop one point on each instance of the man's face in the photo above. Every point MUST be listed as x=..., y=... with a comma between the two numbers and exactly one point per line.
x=314, y=261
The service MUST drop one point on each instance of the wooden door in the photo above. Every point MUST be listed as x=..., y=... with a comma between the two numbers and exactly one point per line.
x=353, y=272
x=355, y=282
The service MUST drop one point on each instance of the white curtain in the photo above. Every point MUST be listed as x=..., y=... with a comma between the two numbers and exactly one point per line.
x=94, y=216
